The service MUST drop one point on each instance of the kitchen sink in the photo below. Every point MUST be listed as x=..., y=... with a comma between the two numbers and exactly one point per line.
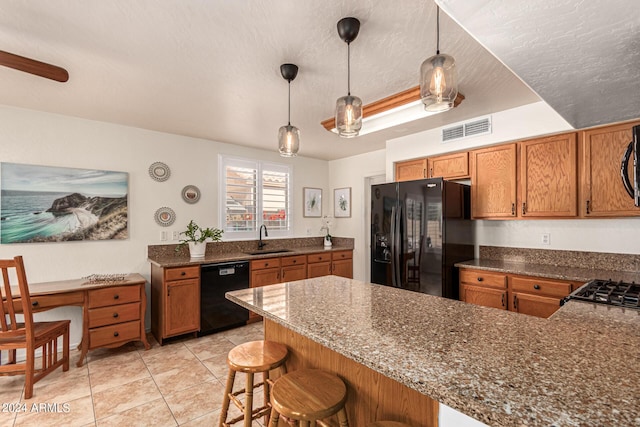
x=268, y=251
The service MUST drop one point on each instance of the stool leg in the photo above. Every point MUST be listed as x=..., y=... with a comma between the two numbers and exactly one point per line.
x=248, y=404
x=274, y=418
x=225, y=402
x=342, y=418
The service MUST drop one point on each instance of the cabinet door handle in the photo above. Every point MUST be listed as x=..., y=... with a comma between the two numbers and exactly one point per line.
x=513, y=209
x=524, y=207
x=116, y=296
x=295, y=260
x=34, y=304
x=278, y=276
x=183, y=273
x=536, y=286
x=503, y=299
x=116, y=334
x=515, y=302
x=480, y=279
x=283, y=273
x=431, y=172
x=333, y=267
x=115, y=315
x=266, y=264
x=588, y=207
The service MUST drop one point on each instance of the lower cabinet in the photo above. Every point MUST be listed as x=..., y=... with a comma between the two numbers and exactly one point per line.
x=175, y=301
x=318, y=264
x=338, y=263
x=342, y=264
x=294, y=268
x=523, y=294
x=264, y=272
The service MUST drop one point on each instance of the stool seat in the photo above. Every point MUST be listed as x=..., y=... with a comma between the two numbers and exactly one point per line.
x=256, y=356
x=308, y=395
x=388, y=424
x=251, y=358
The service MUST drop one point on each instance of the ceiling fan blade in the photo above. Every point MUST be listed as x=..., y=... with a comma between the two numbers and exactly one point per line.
x=32, y=66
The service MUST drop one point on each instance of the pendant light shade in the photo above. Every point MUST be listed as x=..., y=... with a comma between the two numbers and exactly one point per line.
x=289, y=136
x=438, y=86
x=348, y=108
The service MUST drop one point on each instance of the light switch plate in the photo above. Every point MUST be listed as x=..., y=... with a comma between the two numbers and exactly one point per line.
x=546, y=238
x=176, y=235
x=163, y=236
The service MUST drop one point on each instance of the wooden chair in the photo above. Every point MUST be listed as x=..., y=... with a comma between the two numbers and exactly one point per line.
x=29, y=335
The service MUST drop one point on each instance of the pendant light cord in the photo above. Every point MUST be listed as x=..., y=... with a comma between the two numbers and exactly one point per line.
x=438, y=30
x=348, y=69
x=289, y=121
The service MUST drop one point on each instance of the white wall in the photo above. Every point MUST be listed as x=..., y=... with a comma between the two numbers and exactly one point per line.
x=39, y=138
x=352, y=172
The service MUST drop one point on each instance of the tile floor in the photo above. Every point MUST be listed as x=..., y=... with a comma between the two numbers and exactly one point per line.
x=181, y=383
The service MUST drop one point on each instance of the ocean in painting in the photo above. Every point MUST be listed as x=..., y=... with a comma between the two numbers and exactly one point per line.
x=52, y=204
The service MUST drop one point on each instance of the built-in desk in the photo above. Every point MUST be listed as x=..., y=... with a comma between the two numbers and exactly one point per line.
x=112, y=312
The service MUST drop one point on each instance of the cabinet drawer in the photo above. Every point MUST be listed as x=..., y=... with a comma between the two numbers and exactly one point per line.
x=113, y=334
x=532, y=285
x=342, y=255
x=113, y=295
x=293, y=260
x=319, y=257
x=178, y=273
x=259, y=264
x=483, y=278
x=116, y=314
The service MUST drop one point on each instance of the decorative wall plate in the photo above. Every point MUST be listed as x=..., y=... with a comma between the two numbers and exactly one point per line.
x=159, y=171
x=165, y=216
x=191, y=194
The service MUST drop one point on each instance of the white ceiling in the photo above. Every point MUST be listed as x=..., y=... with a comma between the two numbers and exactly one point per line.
x=210, y=68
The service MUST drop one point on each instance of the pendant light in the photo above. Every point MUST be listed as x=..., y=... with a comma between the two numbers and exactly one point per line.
x=348, y=108
x=289, y=136
x=438, y=88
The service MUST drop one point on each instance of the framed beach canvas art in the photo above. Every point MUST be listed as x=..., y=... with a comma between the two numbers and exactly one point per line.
x=342, y=202
x=312, y=202
x=55, y=204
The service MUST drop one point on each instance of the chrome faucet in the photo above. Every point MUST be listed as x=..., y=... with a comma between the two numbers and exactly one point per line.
x=261, y=244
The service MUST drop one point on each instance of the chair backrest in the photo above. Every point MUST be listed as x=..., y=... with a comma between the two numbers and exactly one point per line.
x=14, y=268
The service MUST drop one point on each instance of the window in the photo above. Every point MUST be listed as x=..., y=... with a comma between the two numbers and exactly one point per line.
x=254, y=193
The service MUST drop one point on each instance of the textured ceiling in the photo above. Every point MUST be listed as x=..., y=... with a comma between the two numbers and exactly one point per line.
x=581, y=56
x=210, y=68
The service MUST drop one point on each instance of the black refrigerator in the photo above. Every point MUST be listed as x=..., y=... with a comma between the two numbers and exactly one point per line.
x=419, y=230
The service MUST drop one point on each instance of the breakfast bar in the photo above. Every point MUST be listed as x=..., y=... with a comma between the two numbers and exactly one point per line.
x=401, y=353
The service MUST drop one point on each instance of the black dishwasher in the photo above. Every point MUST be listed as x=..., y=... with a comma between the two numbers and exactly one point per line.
x=216, y=312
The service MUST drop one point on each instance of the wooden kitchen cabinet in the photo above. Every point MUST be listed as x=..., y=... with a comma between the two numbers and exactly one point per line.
x=602, y=192
x=530, y=295
x=493, y=182
x=342, y=264
x=264, y=272
x=294, y=268
x=549, y=177
x=411, y=169
x=483, y=288
x=175, y=301
x=318, y=264
x=449, y=166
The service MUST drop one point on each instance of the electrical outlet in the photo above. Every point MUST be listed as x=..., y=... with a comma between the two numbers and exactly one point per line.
x=176, y=235
x=308, y=232
x=546, y=238
x=163, y=236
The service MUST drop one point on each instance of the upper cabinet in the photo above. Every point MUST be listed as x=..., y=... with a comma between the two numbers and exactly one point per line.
x=411, y=169
x=602, y=192
x=549, y=177
x=450, y=166
x=493, y=182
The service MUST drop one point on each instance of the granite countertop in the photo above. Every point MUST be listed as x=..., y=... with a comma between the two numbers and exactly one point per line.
x=578, y=368
x=561, y=272
x=178, y=260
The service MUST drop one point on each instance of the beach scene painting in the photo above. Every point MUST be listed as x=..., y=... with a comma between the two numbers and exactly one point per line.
x=55, y=204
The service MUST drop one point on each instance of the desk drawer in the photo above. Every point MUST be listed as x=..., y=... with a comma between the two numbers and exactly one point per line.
x=113, y=296
x=536, y=286
x=116, y=314
x=483, y=278
x=179, y=273
x=46, y=302
x=109, y=335
x=319, y=257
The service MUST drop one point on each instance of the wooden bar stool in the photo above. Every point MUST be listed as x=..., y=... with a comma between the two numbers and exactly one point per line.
x=251, y=358
x=388, y=424
x=308, y=396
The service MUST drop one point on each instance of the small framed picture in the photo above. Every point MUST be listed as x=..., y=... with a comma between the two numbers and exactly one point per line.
x=191, y=194
x=342, y=202
x=312, y=202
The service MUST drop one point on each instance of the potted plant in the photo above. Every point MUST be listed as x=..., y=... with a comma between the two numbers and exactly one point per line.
x=196, y=238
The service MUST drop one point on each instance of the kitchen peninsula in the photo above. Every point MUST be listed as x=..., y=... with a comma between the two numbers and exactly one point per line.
x=502, y=368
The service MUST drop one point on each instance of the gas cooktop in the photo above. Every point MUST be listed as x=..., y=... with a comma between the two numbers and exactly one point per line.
x=608, y=292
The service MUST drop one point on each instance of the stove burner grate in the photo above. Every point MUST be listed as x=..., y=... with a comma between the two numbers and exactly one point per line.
x=609, y=292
